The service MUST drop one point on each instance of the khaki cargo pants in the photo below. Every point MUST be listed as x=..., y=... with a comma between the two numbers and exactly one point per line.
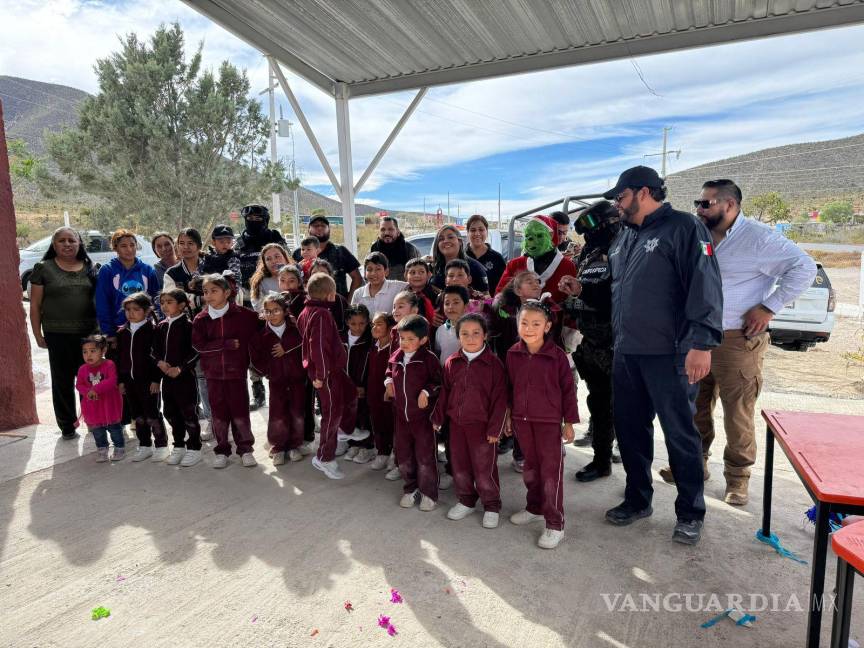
x=736, y=377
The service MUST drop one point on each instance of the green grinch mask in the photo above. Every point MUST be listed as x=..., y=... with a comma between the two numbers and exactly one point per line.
x=537, y=240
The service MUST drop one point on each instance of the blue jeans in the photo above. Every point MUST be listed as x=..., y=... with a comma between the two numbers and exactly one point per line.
x=101, y=435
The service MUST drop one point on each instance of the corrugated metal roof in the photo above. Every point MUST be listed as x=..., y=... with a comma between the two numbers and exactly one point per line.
x=377, y=46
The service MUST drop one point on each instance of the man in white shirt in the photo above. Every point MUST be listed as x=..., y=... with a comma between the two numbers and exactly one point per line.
x=761, y=271
x=378, y=293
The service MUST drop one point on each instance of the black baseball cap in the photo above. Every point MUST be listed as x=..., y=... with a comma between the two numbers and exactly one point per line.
x=635, y=178
x=222, y=231
x=323, y=219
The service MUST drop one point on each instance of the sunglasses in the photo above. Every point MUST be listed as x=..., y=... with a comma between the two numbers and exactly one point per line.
x=705, y=204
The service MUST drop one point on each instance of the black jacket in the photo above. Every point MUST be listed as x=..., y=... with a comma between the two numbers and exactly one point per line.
x=248, y=248
x=666, y=292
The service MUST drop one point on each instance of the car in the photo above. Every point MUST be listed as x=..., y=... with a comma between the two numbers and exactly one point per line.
x=809, y=319
x=97, y=244
x=497, y=240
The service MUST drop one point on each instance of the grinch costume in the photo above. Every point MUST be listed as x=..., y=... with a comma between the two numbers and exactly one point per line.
x=541, y=255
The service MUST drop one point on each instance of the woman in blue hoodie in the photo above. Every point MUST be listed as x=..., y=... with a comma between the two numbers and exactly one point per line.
x=124, y=275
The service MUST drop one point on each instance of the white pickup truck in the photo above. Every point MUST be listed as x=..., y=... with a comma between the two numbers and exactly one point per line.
x=807, y=320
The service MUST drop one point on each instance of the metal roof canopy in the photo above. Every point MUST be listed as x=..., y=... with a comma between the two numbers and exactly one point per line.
x=355, y=48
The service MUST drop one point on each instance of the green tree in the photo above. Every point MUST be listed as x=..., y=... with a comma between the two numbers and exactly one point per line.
x=836, y=211
x=769, y=207
x=22, y=163
x=164, y=143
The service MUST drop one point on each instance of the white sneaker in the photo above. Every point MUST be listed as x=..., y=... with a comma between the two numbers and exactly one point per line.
x=550, y=538
x=341, y=447
x=393, y=474
x=306, y=449
x=352, y=452
x=191, y=458
x=459, y=512
x=445, y=481
x=524, y=517
x=206, y=430
x=295, y=455
x=490, y=520
x=248, y=460
x=408, y=500
x=329, y=468
x=427, y=504
x=379, y=462
x=278, y=458
x=160, y=454
x=142, y=453
x=176, y=456
x=365, y=455
x=360, y=435
x=391, y=461
x=220, y=461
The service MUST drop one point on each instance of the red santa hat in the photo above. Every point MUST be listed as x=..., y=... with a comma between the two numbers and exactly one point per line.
x=550, y=224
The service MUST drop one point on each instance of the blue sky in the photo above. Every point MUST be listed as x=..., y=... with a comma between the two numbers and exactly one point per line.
x=541, y=135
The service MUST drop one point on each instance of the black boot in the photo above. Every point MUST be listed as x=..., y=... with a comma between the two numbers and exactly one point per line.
x=593, y=471
x=259, y=396
x=588, y=439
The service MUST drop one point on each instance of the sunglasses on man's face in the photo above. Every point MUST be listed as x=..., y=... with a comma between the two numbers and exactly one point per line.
x=705, y=204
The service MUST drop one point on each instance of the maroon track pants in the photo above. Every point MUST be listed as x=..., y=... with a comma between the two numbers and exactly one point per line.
x=180, y=404
x=338, y=398
x=417, y=456
x=544, y=470
x=475, y=467
x=381, y=414
x=285, y=422
x=229, y=405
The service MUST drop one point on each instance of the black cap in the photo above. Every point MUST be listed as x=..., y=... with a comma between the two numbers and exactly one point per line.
x=635, y=178
x=323, y=219
x=222, y=231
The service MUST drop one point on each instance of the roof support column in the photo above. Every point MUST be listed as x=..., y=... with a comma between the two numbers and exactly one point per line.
x=346, y=172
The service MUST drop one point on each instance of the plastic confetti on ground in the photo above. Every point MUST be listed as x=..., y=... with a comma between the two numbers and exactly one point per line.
x=100, y=613
x=120, y=579
x=447, y=589
x=254, y=618
x=383, y=621
x=348, y=606
x=314, y=632
x=391, y=630
x=395, y=596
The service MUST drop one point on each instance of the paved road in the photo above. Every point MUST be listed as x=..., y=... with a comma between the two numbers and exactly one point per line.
x=832, y=247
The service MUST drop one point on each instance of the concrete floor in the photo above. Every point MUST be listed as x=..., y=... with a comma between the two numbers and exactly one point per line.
x=267, y=557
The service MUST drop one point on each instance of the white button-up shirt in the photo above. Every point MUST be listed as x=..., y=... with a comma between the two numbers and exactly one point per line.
x=753, y=259
x=383, y=299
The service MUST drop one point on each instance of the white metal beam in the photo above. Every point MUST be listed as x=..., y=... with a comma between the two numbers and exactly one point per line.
x=392, y=136
x=301, y=117
x=343, y=134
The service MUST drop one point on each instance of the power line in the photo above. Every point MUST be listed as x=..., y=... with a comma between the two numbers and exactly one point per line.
x=773, y=157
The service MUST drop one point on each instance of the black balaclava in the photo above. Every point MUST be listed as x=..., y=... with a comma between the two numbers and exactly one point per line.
x=255, y=227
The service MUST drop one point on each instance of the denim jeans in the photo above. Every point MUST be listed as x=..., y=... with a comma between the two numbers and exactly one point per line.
x=100, y=434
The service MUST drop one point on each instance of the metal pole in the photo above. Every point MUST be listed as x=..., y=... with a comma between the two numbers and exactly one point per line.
x=663, y=155
x=499, y=206
x=277, y=210
x=343, y=134
x=448, y=205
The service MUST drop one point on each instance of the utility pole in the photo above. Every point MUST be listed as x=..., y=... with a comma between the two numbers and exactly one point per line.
x=664, y=153
x=277, y=210
x=448, y=205
x=499, y=206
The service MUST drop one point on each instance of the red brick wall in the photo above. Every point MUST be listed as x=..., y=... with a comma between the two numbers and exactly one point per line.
x=17, y=392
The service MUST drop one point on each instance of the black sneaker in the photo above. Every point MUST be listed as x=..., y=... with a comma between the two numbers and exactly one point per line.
x=585, y=441
x=593, y=471
x=687, y=531
x=68, y=435
x=259, y=396
x=625, y=514
x=505, y=445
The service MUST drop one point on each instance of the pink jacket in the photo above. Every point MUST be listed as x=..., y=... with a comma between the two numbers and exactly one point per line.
x=107, y=409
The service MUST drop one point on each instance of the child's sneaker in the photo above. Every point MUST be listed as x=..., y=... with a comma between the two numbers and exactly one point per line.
x=352, y=452
x=176, y=456
x=101, y=455
x=524, y=517
x=459, y=512
x=341, y=447
x=306, y=448
x=393, y=474
x=518, y=465
x=220, y=461
x=191, y=458
x=142, y=453
x=445, y=481
x=359, y=435
x=365, y=455
x=391, y=461
x=278, y=458
x=329, y=468
x=248, y=460
x=379, y=462
x=408, y=500
x=550, y=538
x=295, y=455
x=206, y=430
x=160, y=454
x=119, y=454
x=490, y=520
x=427, y=504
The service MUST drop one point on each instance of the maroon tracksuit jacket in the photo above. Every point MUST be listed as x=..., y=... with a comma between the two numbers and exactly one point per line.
x=380, y=410
x=542, y=396
x=473, y=401
x=287, y=383
x=136, y=371
x=416, y=445
x=324, y=359
x=223, y=346
x=358, y=370
x=503, y=325
x=173, y=344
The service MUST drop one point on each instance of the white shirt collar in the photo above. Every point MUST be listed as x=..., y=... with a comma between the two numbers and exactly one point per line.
x=216, y=313
x=352, y=339
x=473, y=355
x=406, y=357
x=278, y=330
x=175, y=318
x=134, y=326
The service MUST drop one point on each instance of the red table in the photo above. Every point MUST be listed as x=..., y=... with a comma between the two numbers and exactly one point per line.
x=848, y=544
x=827, y=453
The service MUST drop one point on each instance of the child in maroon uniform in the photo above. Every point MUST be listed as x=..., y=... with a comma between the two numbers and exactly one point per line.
x=542, y=396
x=380, y=410
x=404, y=304
x=221, y=334
x=339, y=305
x=413, y=381
x=275, y=352
x=176, y=359
x=139, y=378
x=418, y=272
x=474, y=402
x=358, y=342
x=324, y=359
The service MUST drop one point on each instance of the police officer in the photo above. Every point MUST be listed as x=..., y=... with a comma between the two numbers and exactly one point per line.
x=590, y=307
x=248, y=247
x=667, y=306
